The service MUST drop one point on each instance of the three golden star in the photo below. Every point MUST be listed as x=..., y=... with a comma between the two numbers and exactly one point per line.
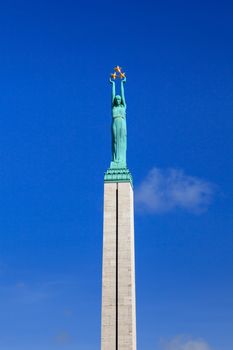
x=117, y=70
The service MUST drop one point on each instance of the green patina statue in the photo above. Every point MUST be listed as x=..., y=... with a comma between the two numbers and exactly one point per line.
x=119, y=134
x=118, y=171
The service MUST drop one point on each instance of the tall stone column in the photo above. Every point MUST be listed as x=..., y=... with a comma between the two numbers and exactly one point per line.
x=118, y=276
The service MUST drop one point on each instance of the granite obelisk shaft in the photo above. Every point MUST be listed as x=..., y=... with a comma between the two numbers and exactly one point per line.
x=118, y=276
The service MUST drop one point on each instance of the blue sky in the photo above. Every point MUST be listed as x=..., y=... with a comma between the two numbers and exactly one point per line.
x=55, y=60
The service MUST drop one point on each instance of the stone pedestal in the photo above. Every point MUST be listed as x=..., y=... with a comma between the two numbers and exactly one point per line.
x=118, y=277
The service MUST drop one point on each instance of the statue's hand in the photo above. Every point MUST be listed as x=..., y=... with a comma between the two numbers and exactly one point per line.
x=124, y=80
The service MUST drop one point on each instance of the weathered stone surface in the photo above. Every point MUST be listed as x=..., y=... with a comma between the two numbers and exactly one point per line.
x=118, y=276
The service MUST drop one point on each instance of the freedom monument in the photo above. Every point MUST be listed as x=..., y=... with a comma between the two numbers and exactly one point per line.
x=118, y=329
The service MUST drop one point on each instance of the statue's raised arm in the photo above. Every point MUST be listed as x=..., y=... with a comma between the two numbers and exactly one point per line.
x=113, y=90
x=123, y=92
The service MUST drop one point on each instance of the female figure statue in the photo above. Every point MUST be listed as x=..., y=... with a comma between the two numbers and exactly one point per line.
x=119, y=134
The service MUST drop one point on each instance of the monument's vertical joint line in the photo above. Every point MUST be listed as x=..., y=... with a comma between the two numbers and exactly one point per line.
x=117, y=266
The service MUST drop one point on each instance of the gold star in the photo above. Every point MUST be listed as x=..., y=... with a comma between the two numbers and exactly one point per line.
x=117, y=69
x=122, y=75
x=113, y=75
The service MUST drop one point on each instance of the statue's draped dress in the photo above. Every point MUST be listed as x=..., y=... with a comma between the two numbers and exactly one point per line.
x=119, y=134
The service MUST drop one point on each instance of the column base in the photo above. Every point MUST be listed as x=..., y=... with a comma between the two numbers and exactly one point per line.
x=118, y=175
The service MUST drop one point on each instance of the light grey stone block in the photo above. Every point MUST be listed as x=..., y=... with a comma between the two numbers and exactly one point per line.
x=118, y=331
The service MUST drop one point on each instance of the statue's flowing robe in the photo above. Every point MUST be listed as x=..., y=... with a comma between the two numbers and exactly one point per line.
x=119, y=135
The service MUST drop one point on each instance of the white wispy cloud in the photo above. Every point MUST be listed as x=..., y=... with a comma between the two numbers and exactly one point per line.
x=63, y=338
x=164, y=190
x=184, y=343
